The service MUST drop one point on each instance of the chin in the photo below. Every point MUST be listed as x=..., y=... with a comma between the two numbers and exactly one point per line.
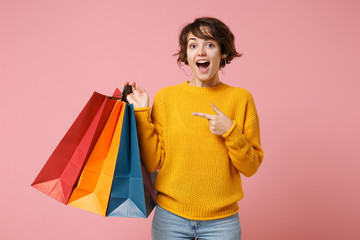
x=205, y=78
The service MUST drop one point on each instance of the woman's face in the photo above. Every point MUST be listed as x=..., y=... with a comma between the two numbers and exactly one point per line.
x=204, y=58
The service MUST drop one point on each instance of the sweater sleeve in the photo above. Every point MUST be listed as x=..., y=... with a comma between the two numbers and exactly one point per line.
x=245, y=146
x=150, y=135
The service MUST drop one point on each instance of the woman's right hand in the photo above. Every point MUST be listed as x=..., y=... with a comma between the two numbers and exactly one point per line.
x=139, y=97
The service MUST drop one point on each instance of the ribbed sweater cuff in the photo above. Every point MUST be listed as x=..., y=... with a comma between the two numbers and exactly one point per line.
x=230, y=130
x=142, y=115
x=235, y=134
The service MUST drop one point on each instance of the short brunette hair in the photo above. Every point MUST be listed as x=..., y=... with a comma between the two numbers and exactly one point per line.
x=215, y=30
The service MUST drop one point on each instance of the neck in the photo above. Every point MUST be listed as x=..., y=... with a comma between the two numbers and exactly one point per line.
x=205, y=83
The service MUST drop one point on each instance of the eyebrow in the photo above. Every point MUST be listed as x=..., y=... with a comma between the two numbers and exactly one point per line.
x=195, y=39
x=192, y=39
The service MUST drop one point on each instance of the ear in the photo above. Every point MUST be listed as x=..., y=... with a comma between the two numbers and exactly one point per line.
x=223, y=56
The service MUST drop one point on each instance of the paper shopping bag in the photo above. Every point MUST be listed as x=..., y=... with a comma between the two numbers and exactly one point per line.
x=132, y=193
x=61, y=172
x=94, y=186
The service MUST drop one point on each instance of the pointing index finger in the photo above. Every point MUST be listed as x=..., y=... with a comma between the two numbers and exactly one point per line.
x=203, y=115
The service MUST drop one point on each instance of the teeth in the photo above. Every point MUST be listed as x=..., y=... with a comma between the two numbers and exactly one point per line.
x=202, y=61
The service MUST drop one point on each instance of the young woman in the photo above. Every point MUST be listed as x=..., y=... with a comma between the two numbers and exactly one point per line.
x=200, y=136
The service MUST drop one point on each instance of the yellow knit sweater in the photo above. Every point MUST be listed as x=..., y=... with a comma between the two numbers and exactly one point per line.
x=199, y=172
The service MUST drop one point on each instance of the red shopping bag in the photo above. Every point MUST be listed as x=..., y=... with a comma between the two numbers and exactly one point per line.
x=61, y=172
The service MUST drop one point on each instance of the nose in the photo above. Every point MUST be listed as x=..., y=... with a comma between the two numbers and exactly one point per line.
x=201, y=51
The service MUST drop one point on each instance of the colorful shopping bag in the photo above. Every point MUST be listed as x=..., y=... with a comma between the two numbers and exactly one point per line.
x=132, y=193
x=94, y=186
x=61, y=172
x=102, y=148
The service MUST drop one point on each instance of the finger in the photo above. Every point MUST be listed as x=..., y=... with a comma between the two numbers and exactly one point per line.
x=216, y=109
x=136, y=92
x=133, y=85
x=142, y=91
x=203, y=115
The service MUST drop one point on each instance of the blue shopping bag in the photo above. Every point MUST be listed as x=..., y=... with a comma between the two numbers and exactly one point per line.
x=132, y=193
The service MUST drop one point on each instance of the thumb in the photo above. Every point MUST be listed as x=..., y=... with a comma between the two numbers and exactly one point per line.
x=216, y=109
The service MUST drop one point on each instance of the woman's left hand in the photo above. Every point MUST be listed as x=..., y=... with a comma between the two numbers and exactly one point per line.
x=219, y=123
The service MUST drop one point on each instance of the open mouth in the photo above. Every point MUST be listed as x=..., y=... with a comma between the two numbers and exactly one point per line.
x=203, y=65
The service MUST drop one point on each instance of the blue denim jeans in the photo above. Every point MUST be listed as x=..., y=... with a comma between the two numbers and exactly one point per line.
x=168, y=226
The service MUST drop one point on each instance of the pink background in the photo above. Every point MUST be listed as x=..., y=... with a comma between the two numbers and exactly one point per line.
x=301, y=62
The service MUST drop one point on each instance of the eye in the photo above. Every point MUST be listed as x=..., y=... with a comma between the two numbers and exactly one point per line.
x=191, y=45
x=211, y=45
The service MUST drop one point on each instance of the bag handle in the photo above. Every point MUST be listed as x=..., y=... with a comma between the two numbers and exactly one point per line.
x=126, y=91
